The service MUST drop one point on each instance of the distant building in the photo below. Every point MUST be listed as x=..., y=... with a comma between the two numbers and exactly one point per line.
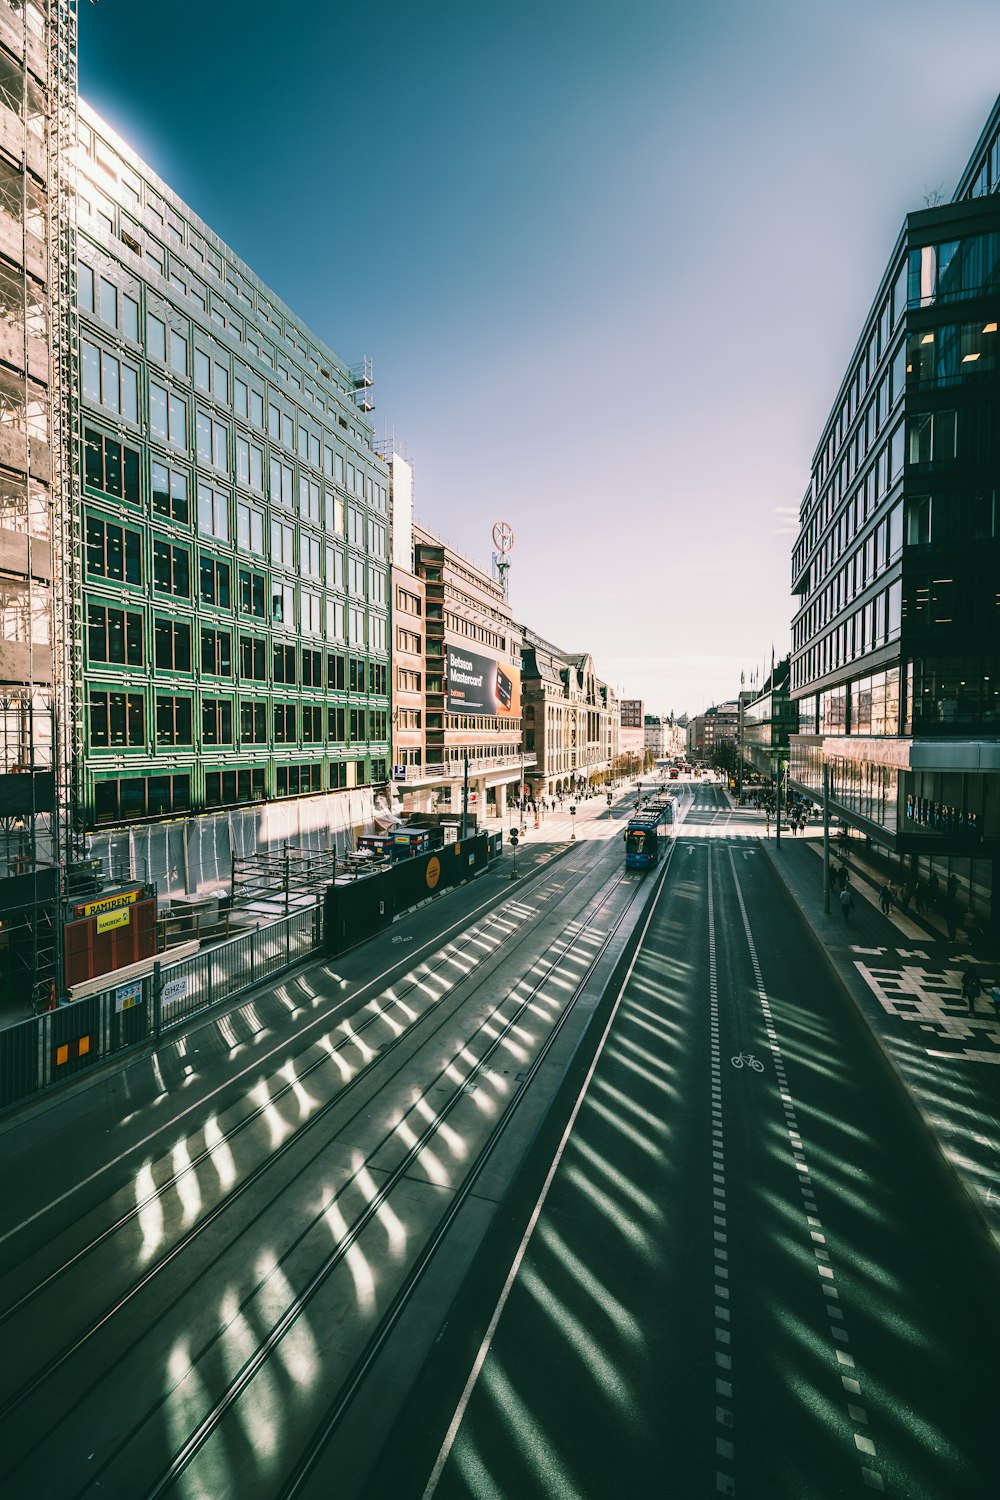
x=633, y=732
x=709, y=732
x=768, y=717
x=470, y=652
x=571, y=719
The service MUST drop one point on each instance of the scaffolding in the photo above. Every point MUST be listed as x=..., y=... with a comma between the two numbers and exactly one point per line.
x=40, y=649
x=278, y=880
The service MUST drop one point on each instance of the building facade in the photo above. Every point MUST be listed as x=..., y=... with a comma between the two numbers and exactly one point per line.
x=232, y=603
x=469, y=653
x=768, y=719
x=632, y=741
x=896, y=568
x=712, y=736
x=572, y=720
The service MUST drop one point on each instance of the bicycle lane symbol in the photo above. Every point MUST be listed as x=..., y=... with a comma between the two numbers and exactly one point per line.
x=747, y=1058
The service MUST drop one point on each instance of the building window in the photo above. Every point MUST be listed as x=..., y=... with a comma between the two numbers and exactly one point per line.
x=173, y=720
x=282, y=544
x=170, y=492
x=117, y=720
x=337, y=725
x=213, y=582
x=284, y=664
x=253, y=722
x=172, y=645
x=335, y=673
x=114, y=635
x=167, y=416
x=312, y=668
x=110, y=466
x=312, y=724
x=217, y=653
x=253, y=590
x=283, y=604
x=110, y=382
x=226, y=788
x=249, y=528
x=171, y=569
x=113, y=551
x=285, y=724
x=216, y=721
x=128, y=798
x=213, y=512
x=212, y=440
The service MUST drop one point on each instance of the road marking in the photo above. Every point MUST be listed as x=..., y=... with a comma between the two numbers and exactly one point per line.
x=814, y=1223
x=725, y=1482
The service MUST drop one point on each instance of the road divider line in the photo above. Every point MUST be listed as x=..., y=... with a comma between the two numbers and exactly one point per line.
x=725, y=1451
x=857, y=1415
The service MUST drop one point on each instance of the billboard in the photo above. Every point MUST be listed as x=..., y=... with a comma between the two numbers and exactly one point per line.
x=482, y=685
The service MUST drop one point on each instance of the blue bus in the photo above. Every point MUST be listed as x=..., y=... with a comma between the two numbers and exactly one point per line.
x=644, y=836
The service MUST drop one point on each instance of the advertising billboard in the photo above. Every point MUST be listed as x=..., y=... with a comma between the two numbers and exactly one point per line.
x=482, y=685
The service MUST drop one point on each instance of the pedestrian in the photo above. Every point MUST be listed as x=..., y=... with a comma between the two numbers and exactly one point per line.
x=846, y=901
x=970, y=988
x=918, y=896
x=905, y=896
x=932, y=891
x=995, y=997
x=885, y=899
x=951, y=919
x=842, y=877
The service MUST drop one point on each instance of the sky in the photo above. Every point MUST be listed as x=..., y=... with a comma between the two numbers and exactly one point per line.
x=610, y=259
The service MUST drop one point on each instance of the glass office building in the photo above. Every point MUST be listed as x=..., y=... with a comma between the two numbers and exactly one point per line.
x=896, y=635
x=232, y=599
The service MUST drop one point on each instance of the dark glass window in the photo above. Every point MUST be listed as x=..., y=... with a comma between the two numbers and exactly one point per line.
x=117, y=720
x=170, y=492
x=110, y=466
x=335, y=673
x=337, y=724
x=171, y=569
x=173, y=721
x=113, y=551
x=252, y=593
x=172, y=645
x=285, y=732
x=217, y=653
x=253, y=662
x=284, y=664
x=253, y=722
x=216, y=721
x=114, y=635
x=214, y=577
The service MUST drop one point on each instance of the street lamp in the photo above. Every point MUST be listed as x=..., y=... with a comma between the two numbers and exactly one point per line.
x=572, y=813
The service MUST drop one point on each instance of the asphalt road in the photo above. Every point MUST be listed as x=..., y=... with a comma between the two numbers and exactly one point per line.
x=751, y=1278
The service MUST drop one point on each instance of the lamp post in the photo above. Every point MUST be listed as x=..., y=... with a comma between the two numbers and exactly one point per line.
x=572, y=813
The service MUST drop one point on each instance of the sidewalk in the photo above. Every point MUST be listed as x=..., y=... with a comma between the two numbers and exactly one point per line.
x=905, y=978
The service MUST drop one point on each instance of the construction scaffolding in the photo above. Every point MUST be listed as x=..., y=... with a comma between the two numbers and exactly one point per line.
x=39, y=543
x=275, y=881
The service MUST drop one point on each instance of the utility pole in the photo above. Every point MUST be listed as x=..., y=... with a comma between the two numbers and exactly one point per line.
x=777, y=817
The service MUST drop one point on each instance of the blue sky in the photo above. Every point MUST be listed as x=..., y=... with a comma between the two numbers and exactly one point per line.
x=610, y=260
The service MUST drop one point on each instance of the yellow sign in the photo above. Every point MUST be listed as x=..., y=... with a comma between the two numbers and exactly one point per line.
x=433, y=871
x=110, y=903
x=108, y=919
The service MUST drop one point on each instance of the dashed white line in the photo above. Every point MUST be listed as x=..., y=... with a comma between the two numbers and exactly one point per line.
x=838, y=1335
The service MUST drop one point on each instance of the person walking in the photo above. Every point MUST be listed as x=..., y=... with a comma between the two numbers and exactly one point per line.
x=950, y=917
x=995, y=997
x=846, y=901
x=885, y=899
x=842, y=877
x=970, y=988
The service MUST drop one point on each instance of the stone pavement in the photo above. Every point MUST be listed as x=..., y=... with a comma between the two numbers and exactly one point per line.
x=905, y=978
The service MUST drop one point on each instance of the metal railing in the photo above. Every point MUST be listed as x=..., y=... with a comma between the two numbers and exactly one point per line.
x=39, y=1054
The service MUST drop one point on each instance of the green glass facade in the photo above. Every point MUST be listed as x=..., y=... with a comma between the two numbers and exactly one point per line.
x=234, y=523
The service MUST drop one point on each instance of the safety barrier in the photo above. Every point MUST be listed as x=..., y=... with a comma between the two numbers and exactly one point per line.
x=40, y=1053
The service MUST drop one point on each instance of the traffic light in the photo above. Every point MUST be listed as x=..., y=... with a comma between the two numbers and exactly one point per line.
x=512, y=838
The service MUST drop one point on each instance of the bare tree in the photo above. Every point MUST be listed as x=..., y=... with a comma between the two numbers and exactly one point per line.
x=935, y=196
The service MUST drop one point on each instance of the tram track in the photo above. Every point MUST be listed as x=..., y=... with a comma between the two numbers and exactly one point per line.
x=422, y=974
x=351, y=1086
x=349, y=1389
